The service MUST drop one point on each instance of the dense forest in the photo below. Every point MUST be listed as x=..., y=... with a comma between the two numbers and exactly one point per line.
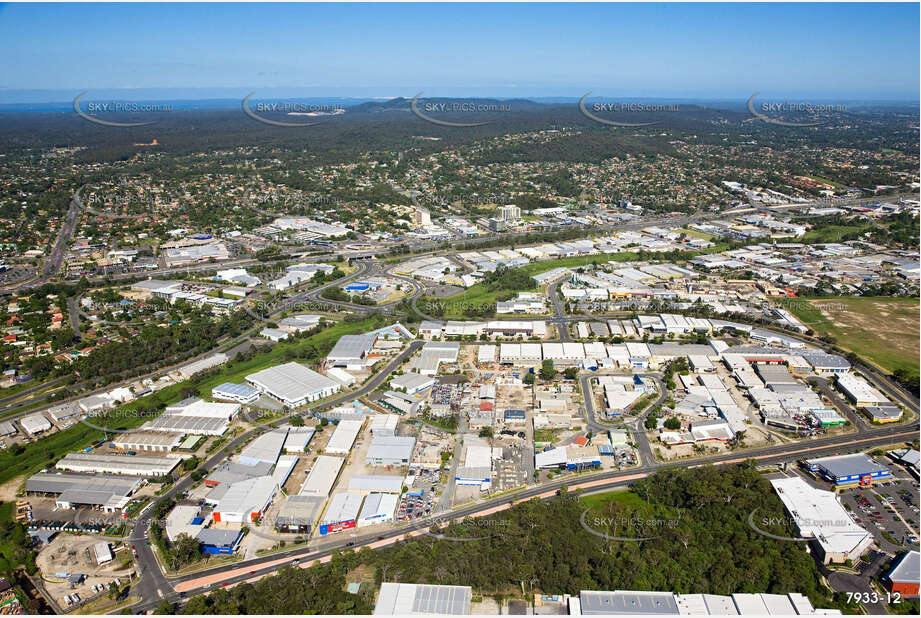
x=707, y=547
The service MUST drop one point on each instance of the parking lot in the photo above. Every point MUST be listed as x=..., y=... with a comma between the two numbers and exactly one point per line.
x=418, y=501
x=878, y=510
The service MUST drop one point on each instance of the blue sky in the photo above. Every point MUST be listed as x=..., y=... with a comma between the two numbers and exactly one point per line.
x=822, y=51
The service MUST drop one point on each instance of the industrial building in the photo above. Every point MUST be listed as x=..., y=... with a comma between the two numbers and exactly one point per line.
x=298, y=439
x=265, y=449
x=883, y=414
x=245, y=501
x=905, y=574
x=95, y=463
x=384, y=424
x=107, y=492
x=390, y=451
x=341, y=513
x=183, y=519
x=293, y=384
x=395, y=599
x=433, y=356
x=846, y=470
x=299, y=514
x=350, y=352
x=376, y=483
x=646, y=603
x=240, y=393
x=378, y=508
x=412, y=383
x=35, y=423
x=821, y=517
x=147, y=441
x=344, y=435
x=214, y=541
x=322, y=476
x=859, y=390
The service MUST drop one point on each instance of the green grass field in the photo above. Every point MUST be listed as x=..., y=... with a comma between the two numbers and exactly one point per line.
x=833, y=233
x=882, y=330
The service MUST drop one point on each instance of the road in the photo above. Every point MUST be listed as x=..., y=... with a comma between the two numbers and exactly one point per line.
x=646, y=455
x=202, y=582
x=153, y=584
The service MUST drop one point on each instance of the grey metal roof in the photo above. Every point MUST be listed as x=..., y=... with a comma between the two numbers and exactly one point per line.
x=395, y=598
x=350, y=347
x=218, y=538
x=240, y=390
x=848, y=465
x=398, y=448
x=51, y=483
x=291, y=381
x=907, y=569
x=300, y=511
x=597, y=602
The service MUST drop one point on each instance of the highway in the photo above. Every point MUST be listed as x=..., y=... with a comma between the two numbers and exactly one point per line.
x=251, y=570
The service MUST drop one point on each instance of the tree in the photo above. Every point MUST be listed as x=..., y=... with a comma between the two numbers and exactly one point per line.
x=528, y=378
x=296, y=421
x=486, y=432
x=547, y=370
x=672, y=423
x=571, y=373
x=165, y=608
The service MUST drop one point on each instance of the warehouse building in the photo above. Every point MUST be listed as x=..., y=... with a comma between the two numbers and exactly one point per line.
x=376, y=483
x=642, y=603
x=95, y=463
x=240, y=393
x=904, y=576
x=245, y=501
x=147, y=441
x=107, y=492
x=846, y=470
x=230, y=472
x=384, y=424
x=412, y=383
x=601, y=602
x=298, y=439
x=102, y=552
x=433, y=356
x=299, y=514
x=859, y=390
x=377, y=509
x=401, y=403
x=344, y=435
x=322, y=476
x=390, y=451
x=293, y=384
x=395, y=599
x=883, y=414
x=35, y=424
x=342, y=512
x=265, y=449
x=821, y=517
x=214, y=542
x=350, y=352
